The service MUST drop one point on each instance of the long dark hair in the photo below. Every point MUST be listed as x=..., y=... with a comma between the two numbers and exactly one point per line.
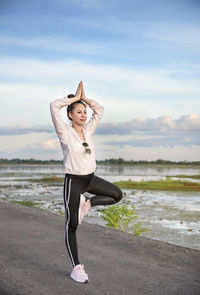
x=70, y=107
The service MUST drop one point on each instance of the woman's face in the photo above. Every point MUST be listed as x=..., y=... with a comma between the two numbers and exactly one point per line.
x=79, y=115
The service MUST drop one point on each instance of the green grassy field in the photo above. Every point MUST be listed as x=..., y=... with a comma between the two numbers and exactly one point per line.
x=188, y=176
x=167, y=185
x=25, y=203
x=43, y=179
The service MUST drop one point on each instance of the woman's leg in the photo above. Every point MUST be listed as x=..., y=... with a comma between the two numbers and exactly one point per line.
x=105, y=192
x=71, y=201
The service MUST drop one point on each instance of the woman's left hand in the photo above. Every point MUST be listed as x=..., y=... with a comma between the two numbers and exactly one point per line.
x=83, y=97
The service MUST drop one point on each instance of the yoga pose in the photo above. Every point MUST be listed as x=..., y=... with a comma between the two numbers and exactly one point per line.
x=79, y=167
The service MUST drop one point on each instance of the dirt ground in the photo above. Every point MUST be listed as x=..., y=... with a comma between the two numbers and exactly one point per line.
x=34, y=260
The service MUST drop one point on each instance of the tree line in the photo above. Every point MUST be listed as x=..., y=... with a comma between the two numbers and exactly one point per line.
x=29, y=161
x=119, y=161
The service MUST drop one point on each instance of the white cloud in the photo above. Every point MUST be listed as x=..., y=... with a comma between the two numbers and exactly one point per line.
x=147, y=140
x=184, y=34
x=175, y=153
x=56, y=44
x=143, y=83
x=190, y=122
x=187, y=123
x=18, y=141
x=24, y=129
x=124, y=92
x=150, y=32
x=165, y=123
x=51, y=144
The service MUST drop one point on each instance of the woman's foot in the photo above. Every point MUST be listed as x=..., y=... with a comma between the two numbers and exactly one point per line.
x=84, y=208
x=79, y=275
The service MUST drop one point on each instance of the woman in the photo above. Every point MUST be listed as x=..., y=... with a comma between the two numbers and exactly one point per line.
x=79, y=167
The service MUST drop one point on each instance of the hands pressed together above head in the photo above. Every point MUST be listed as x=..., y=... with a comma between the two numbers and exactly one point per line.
x=80, y=94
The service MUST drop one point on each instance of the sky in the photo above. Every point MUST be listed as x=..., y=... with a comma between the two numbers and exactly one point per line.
x=140, y=59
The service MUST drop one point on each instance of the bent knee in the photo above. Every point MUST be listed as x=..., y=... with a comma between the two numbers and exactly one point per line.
x=118, y=194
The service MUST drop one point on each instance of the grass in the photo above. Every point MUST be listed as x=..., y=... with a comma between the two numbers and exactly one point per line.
x=187, y=176
x=25, y=203
x=43, y=179
x=167, y=185
x=13, y=187
x=12, y=174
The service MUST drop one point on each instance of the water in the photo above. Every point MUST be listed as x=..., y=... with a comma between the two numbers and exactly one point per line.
x=172, y=217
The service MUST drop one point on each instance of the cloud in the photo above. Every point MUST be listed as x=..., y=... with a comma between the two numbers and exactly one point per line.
x=145, y=132
x=161, y=124
x=142, y=148
x=37, y=151
x=130, y=152
x=56, y=44
x=127, y=152
x=190, y=122
x=164, y=123
x=115, y=80
x=184, y=34
x=148, y=31
x=176, y=139
x=51, y=144
x=28, y=85
x=20, y=130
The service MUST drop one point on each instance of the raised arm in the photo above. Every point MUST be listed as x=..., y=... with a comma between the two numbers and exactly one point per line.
x=98, y=110
x=55, y=108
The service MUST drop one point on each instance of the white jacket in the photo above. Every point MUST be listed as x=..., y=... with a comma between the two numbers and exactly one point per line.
x=76, y=160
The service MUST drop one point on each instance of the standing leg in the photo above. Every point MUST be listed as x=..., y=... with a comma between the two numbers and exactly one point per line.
x=105, y=192
x=71, y=201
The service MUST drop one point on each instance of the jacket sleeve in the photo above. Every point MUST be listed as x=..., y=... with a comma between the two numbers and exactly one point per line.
x=96, y=116
x=60, y=126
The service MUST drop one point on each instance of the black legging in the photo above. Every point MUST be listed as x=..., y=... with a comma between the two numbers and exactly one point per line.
x=105, y=194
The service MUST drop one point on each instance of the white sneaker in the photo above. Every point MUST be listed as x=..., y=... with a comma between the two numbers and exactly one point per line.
x=84, y=208
x=79, y=275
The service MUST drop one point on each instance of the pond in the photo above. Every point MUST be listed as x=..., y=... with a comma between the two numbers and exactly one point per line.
x=170, y=216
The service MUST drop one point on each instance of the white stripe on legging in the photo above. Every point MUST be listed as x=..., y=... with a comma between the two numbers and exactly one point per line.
x=67, y=223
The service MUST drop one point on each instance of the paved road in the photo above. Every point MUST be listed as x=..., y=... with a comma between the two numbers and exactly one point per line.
x=33, y=259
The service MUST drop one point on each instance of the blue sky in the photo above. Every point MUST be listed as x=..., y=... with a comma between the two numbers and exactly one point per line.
x=139, y=59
